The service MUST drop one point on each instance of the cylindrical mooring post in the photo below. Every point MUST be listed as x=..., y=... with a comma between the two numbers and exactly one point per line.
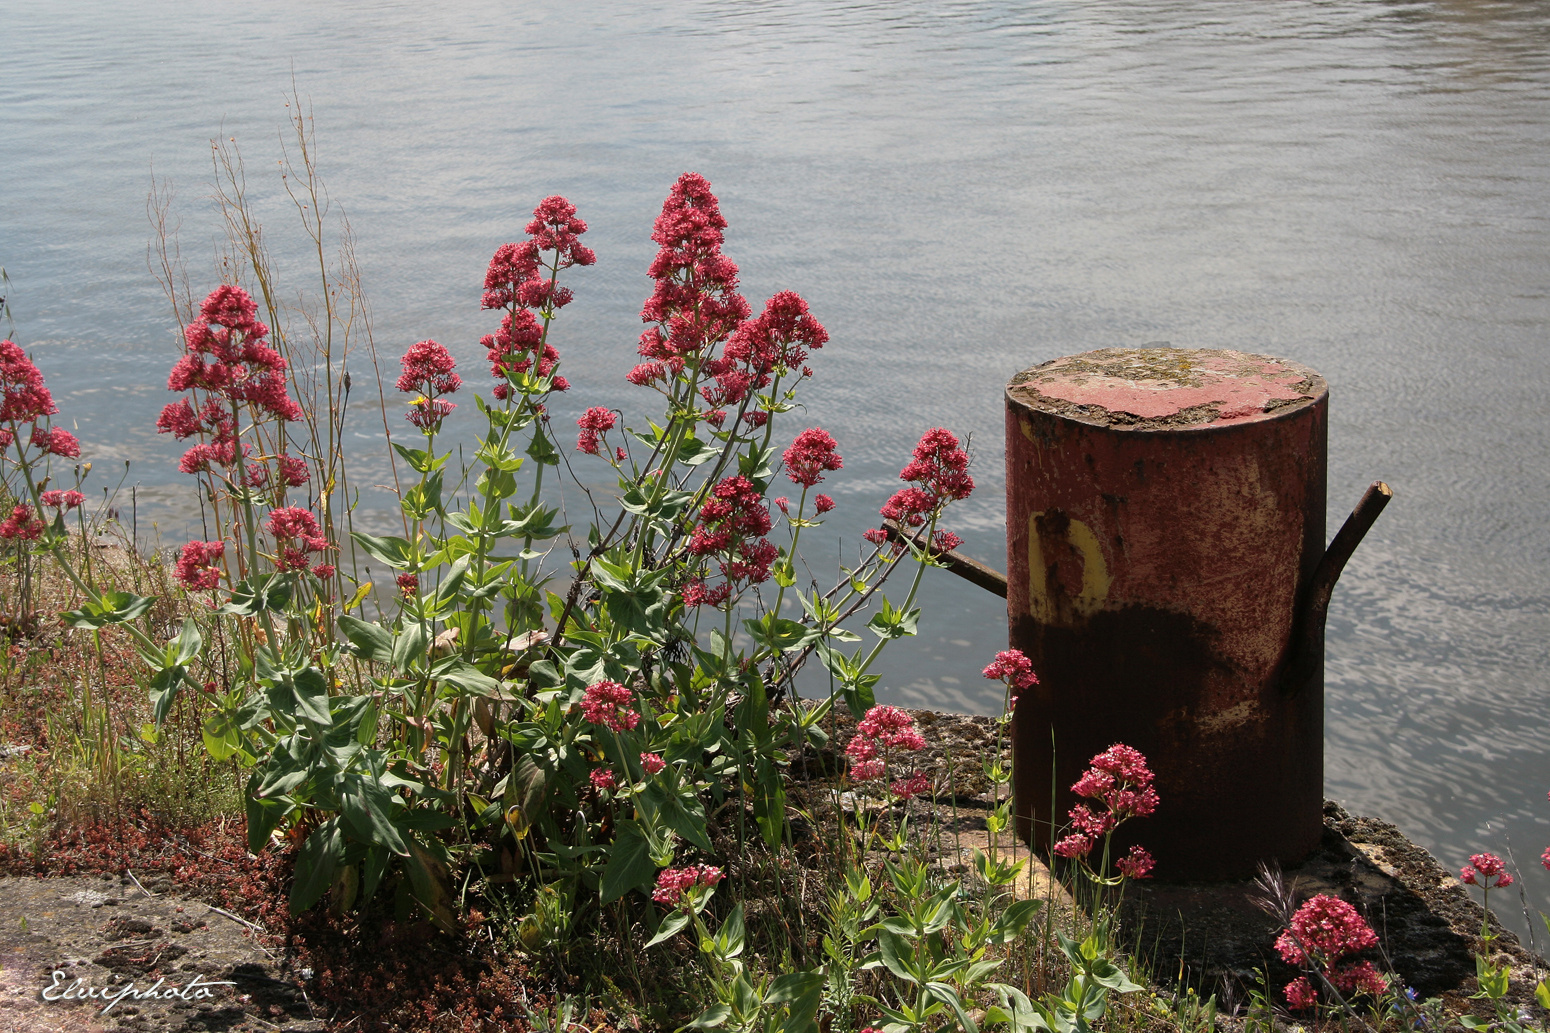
x=1165, y=516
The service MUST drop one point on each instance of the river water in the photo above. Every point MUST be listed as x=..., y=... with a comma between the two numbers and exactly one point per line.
x=961, y=190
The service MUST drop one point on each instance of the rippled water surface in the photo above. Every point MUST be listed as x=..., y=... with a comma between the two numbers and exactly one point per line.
x=960, y=190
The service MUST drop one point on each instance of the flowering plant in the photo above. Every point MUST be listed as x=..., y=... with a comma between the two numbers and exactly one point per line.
x=1325, y=931
x=1120, y=780
x=572, y=716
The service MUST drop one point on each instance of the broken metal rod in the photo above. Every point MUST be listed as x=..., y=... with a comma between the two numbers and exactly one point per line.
x=969, y=569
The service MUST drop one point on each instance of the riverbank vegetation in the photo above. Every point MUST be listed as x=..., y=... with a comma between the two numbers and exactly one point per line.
x=541, y=756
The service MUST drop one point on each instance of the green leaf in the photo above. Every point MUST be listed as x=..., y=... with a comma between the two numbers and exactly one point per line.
x=803, y=993
x=1106, y=973
x=1010, y=923
x=682, y=812
x=188, y=643
x=109, y=608
x=367, y=809
x=457, y=672
x=780, y=634
x=222, y=737
x=629, y=862
x=896, y=953
x=263, y=817
x=311, y=690
x=409, y=647
x=374, y=864
x=164, y=689
x=948, y=996
x=367, y=639
x=728, y=941
x=714, y=1017
x=542, y=449
x=424, y=498
x=419, y=459
x=395, y=552
x=671, y=926
x=257, y=594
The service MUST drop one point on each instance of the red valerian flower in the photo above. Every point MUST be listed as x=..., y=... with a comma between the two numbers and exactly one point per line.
x=602, y=778
x=940, y=465
x=596, y=420
x=1482, y=868
x=427, y=413
x=823, y=504
x=917, y=784
x=945, y=541
x=652, y=762
x=673, y=884
x=23, y=524
x=1118, y=778
x=196, y=565
x=293, y=471
x=323, y=571
x=56, y=441
x=1544, y=858
x=810, y=456
x=59, y=498
x=779, y=340
x=608, y=703
x=290, y=523
x=694, y=303
x=875, y=535
x=1137, y=864
x=408, y=585
x=646, y=374
x=1300, y=995
x=23, y=398
x=1362, y=977
x=427, y=369
x=1012, y=667
x=1329, y=928
x=731, y=526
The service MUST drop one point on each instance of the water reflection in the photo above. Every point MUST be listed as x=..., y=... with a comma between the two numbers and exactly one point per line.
x=961, y=190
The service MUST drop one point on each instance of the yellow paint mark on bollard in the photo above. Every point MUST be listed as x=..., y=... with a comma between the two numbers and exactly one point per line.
x=1050, y=534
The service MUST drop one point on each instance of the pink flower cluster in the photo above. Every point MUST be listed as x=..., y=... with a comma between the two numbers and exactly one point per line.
x=23, y=398
x=1323, y=931
x=779, y=340
x=59, y=498
x=23, y=524
x=610, y=704
x=732, y=525
x=883, y=729
x=196, y=566
x=1119, y=779
x=939, y=469
x=1482, y=868
x=227, y=357
x=1016, y=670
x=593, y=423
x=427, y=373
x=694, y=303
x=674, y=883
x=652, y=762
x=812, y=454
x=602, y=778
x=515, y=281
x=296, y=537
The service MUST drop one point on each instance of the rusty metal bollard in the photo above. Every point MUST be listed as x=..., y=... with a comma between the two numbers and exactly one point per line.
x=1168, y=578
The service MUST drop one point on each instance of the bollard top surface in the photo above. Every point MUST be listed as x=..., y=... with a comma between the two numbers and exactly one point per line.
x=1167, y=388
